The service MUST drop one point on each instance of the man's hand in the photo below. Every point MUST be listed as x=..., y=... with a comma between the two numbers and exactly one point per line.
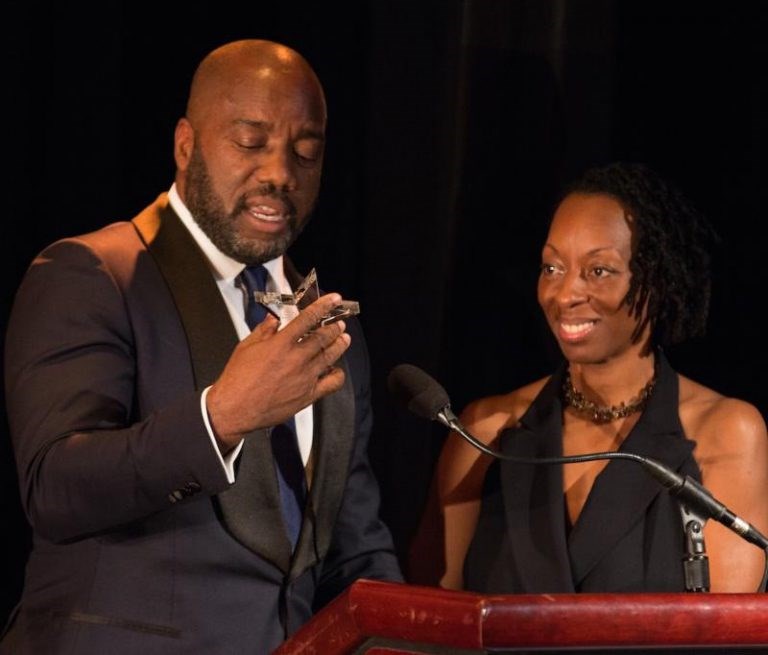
x=273, y=374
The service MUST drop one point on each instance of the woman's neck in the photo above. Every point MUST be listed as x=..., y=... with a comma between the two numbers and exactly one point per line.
x=613, y=382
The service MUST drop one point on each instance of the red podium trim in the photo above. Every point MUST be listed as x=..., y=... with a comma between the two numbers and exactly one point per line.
x=456, y=619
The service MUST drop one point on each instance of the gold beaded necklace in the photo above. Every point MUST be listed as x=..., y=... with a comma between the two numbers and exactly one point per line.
x=598, y=414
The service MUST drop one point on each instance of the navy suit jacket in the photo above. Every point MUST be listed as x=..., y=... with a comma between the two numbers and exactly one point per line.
x=140, y=543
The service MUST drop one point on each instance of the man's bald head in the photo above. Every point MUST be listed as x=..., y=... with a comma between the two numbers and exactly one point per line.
x=249, y=152
x=244, y=63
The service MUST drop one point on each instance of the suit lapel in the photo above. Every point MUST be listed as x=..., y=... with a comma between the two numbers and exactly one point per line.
x=253, y=501
x=623, y=491
x=207, y=324
x=251, y=507
x=533, y=497
x=334, y=431
x=333, y=438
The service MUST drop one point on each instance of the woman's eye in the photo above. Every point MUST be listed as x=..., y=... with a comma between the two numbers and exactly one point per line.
x=601, y=271
x=549, y=270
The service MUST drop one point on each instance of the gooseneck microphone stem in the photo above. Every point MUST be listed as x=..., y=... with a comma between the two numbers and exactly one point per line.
x=687, y=489
x=449, y=419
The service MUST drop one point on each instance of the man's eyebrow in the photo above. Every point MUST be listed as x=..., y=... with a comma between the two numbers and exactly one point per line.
x=261, y=124
x=311, y=133
x=306, y=133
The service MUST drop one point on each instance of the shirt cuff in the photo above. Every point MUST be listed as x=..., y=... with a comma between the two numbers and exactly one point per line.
x=228, y=460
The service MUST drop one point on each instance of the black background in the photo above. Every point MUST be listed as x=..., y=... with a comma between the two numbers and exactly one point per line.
x=451, y=126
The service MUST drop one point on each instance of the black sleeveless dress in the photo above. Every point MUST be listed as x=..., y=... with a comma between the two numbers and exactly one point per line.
x=629, y=536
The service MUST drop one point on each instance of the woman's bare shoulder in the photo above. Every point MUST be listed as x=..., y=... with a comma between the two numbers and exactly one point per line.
x=719, y=422
x=486, y=417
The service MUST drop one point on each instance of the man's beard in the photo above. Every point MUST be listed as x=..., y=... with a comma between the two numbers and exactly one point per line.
x=221, y=226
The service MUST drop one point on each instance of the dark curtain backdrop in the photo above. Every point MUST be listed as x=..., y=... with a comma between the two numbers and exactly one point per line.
x=452, y=125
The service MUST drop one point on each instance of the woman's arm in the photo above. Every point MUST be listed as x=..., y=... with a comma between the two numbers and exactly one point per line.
x=732, y=453
x=449, y=520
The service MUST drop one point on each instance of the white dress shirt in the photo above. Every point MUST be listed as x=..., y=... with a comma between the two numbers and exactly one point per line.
x=225, y=271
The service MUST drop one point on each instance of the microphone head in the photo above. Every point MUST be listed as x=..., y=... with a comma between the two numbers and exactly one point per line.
x=417, y=390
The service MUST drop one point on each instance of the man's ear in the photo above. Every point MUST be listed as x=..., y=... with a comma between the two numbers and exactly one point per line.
x=183, y=143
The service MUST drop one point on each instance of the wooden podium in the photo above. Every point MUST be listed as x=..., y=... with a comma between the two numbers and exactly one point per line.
x=380, y=618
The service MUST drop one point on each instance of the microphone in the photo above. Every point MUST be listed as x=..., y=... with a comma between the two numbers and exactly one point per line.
x=418, y=391
x=421, y=394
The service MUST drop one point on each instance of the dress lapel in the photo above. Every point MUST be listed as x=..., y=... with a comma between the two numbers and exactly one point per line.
x=533, y=496
x=623, y=490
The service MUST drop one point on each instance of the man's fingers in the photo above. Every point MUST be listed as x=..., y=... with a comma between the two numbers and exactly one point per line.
x=330, y=382
x=267, y=328
x=323, y=337
x=331, y=353
x=309, y=318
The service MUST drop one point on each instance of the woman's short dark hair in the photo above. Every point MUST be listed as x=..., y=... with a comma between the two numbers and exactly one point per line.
x=671, y=243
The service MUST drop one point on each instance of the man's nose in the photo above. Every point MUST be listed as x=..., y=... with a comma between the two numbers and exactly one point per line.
x=277, y=168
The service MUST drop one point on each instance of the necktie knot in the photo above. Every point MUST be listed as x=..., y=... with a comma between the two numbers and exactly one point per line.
x=254, y=278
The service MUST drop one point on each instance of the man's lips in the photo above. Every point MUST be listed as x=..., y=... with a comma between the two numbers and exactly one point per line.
x=268, y=213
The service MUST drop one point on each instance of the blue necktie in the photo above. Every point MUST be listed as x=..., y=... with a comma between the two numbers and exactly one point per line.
x=254, y=278
x=285, y=449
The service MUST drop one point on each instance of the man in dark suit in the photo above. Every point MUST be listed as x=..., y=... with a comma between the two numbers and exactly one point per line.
x=143, y=407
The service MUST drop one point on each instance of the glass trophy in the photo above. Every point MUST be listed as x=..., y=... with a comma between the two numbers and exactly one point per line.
x=286, y=306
